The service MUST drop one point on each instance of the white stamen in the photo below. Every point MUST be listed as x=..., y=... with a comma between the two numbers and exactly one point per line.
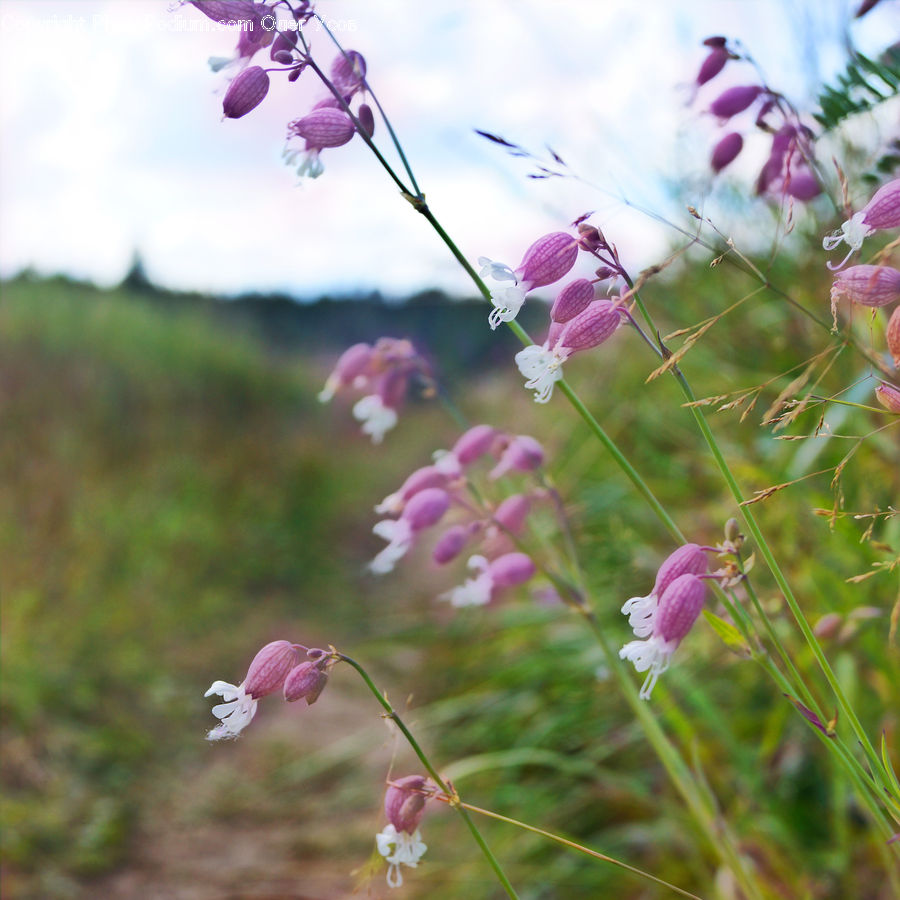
x=542, y=368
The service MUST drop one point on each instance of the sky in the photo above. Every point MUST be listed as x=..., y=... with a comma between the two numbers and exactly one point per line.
x=113, y=140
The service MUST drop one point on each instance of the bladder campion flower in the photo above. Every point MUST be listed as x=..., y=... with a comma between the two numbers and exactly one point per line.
x=542, y=365
x=401, y=842
x=881, y=212
x=426, y=508
x=266, y=675
x=547, y=260
x=493, y=577
x=678, y=609
x=867, y=285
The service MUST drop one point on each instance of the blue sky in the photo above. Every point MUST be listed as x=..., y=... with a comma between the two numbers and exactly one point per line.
x=112, y=136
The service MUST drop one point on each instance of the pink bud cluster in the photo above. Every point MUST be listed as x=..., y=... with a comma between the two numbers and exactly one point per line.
x=787, y=170
x=277, y=667
x=381, y=373
x=663, y=618
x=331, y=122
x=438, y=494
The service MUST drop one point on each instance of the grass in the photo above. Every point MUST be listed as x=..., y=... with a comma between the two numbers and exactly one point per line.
x=173, y=498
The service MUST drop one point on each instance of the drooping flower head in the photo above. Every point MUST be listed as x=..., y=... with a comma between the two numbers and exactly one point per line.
x=266, y=675
x=888, y=396
x=493, y=577
x=881, y=212
x=867, y=285
x=547, y=260
x=424, y=509
x=522, y=454
x=401, y=842
x=679, y=606
x=474, y=443
x=541, y=366
x=689, y=559
x=892, y=335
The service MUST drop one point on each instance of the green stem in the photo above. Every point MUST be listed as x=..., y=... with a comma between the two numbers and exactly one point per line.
x=454, y=798
x=766, y=552
x=559, y=839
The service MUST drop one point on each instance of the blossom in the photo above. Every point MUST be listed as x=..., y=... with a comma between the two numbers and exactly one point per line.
x=376, y=416
x=351, y=364
x=541, y=366
x=679, y=606
x=892, y=335
x=306, y=681
x=266, y=675
x=687, y=559
x=245, y=92
x=867, y=285
x=735, y=100
x=470, y=447
x=399, y=849
x=547, y=260
x=521, y=454
x=426, y=508
x=726, y=151
x=425, y=477
x=505, y=571
x=888, y=396
x=321, y=128
x=881, y=212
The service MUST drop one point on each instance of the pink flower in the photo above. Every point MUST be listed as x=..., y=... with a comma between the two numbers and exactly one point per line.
x=735, y=100
x=245, y=92
x=426, y=508
x=306, y=681
x=679, y=607
x=688, y=559
x=726, y=151
x=266, y=675
x=322, y=128
x=352, y=364
x=888, y=396
x=400, y=841
x=470, y=447
x=881, y=212
x=572, y=299
x=866, y=285
x=522, y=454
x=542, y=365
x=712, y=65
x=892, y=335
x=452, y=542
x=348, y=73
x=493, y=577
x=547, y=260
x=426, y=477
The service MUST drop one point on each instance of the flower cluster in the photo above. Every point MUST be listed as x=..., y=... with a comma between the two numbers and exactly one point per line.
x=663, y=618
x=382, y=374
x=331, y=122
x=875, y=286
x=439, y=494
x=277, y=667
x=400, y=842
x=787, y=170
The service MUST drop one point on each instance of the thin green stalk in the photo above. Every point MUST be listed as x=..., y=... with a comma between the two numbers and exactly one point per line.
x=766, y=552
x=454, y=797
x=559, y=839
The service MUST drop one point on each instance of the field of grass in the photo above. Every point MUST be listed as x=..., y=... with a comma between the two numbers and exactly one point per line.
x=172, y=497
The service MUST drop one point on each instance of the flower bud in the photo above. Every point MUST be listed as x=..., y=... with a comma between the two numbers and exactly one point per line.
x=572, y=299
x=715, y=41
x=512, y=513
x=888, y=396
x=451, y=544
x=712, y=65
x=735, y=100
x=522, y=454
x=282, y=50
x=686, y=560
x=246, y=92
x=366, y=118
x=511, y=569
x=404, y=803
x=591, y=327
x=827, y=627
x=474, y=443
x=732, y=531
x=679, y=607
x=305, y=682
x=893, y=335
x=590, y=237
x=548, y=259
x=426, y=508
x=270, y=667
x=866, y=285
x=802, y=185
x=726, y=151
x=348, y=72
x=324, y=127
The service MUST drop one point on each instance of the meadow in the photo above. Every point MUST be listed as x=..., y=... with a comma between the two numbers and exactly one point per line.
x=173, y=497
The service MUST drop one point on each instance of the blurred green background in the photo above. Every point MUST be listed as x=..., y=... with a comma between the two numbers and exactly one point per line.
x=172, y=497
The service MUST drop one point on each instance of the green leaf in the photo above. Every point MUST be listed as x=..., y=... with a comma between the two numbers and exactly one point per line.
x=730, y=636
